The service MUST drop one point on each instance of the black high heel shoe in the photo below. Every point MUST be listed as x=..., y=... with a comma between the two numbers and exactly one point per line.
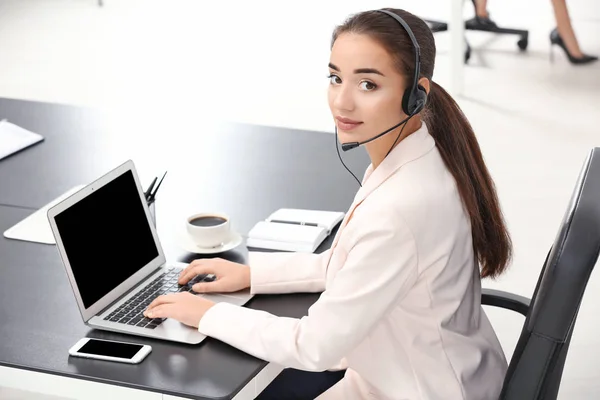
x=555, y=39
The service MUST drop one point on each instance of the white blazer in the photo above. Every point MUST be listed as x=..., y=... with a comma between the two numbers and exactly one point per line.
x=400, y=307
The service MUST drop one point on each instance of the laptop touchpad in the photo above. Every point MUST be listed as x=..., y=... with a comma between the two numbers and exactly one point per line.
x=219, y=298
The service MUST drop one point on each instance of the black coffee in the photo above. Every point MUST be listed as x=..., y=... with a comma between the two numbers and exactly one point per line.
x=209, y=220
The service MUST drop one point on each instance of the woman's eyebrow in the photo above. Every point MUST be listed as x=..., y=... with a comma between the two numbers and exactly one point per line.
x=359, y=70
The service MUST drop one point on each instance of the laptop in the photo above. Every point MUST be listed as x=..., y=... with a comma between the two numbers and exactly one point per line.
x=114, y=260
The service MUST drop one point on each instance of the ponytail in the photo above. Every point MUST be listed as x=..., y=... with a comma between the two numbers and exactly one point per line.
x=460, y=151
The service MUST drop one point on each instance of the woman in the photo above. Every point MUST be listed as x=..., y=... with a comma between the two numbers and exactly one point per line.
x=563, y=35
x=400, y=310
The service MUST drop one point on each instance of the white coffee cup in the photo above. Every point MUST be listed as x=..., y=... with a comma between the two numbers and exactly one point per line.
x=209, y=230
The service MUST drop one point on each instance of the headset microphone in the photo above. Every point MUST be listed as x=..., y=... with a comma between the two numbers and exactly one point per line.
x=353, y=145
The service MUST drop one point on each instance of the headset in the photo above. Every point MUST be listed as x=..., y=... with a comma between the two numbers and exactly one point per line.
x=415, y=96
x=413, y=99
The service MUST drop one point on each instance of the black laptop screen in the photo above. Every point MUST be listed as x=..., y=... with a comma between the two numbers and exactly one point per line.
x=106, y=238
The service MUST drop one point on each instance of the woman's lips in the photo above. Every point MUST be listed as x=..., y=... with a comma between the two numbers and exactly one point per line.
x=346, y=124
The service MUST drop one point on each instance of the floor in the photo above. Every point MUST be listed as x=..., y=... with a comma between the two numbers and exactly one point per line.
x=535, y=119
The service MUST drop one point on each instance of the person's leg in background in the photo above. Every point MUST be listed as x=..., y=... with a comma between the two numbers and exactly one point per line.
x=481, y=8
x=295, y=384
x=564, y=35
x=482, y=15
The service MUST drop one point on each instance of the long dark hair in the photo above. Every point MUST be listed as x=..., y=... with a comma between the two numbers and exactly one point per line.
x=450, y=129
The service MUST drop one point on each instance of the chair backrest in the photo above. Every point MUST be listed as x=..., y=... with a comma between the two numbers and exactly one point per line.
x=536, y=367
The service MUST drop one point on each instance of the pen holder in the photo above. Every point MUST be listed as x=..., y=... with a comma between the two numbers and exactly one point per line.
x=152, y=209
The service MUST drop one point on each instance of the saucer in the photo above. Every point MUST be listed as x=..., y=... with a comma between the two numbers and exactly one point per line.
x=188, y=244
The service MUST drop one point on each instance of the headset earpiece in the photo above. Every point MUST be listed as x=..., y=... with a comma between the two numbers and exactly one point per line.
x=414, y=101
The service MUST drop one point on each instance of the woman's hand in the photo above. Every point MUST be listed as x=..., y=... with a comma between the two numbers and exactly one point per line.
x=183, y=307
x=188, y=308
x=230, y=276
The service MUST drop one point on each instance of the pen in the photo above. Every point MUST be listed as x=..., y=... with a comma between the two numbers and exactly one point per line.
x=294, y=222
x=147, y=192
x=153, y=195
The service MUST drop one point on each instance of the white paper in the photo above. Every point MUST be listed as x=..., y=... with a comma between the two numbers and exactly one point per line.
x=36, y=227
x=14, y=138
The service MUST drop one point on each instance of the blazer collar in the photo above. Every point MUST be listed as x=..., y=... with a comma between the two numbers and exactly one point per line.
x=409, y=149
x=412, y=147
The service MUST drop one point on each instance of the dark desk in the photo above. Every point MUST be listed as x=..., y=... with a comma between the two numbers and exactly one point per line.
x=247, y=171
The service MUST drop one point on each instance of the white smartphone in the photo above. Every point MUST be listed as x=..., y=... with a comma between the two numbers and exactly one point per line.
x=110, y=350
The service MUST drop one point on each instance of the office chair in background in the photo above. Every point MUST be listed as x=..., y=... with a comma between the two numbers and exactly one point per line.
x=476, y=24
x=535, y=370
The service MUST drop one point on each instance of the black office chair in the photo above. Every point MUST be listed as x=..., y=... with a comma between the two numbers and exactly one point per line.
x=475, y=25
x=535, y=369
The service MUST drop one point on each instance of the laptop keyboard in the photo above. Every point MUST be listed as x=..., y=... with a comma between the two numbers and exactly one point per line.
x=131, y=312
